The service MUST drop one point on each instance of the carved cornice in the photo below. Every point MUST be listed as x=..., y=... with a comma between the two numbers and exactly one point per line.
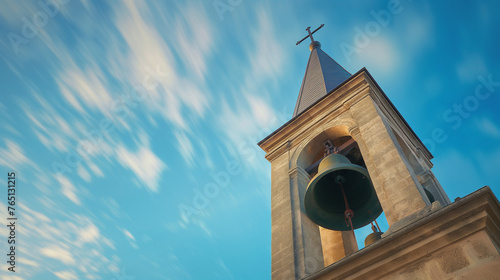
x=479, y=211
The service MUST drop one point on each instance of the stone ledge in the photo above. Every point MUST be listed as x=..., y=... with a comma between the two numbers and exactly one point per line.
x=477, y=212
x=407, y=221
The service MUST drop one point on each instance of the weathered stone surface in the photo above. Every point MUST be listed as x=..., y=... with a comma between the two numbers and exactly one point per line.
x=392, y=181
x=408, y=220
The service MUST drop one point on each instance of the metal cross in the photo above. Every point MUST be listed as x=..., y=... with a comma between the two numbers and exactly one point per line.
x=310, y=34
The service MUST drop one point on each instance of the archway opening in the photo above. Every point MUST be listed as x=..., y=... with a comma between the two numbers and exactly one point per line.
x=311, y=156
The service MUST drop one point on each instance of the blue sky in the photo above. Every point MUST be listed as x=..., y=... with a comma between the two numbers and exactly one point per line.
x=132, y=126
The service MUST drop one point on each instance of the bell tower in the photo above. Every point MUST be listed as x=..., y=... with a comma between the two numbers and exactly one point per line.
x=347, y=117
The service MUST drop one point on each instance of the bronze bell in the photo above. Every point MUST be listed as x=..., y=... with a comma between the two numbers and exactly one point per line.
x=338, y=187
x=373, y=237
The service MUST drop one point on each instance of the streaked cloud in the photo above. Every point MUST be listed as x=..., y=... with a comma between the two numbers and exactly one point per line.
x=267, y=56
x=88, y=234
x=244, y=124
x=66, y=274
x=130, y=238
x=27, y=261
x=128, y=234
x=68, y=189
x=185, y=148
x=86, y=86
x=61, y=254
x=195, y=38
x=12, y=155
x=145, y=164
x=67, y=242
x=83, y=173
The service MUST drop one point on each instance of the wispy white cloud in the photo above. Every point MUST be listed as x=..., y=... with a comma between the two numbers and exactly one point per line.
x=71, y=98
x=95, y=169
x=27, y=261
x=67, y=188
x=66, y=274
x=170, y=95
x=205, y=229
x=208, y=163
x=12, y=155
x=194, y=34
x=266, y=56
x=145, y=164
x=148, y=53
x=83, y=173
x=35, y=216
x=185, y=147
x=89, y=86
x=244, y=124
x=196, y=221
x=88, y=234
x=193, y=96
x=51, y=129
x=249, y=117
x=68, y=135
x=130, y=238
x=61, y=254
x=128, y=234
x=70, y=244
x=261, y=111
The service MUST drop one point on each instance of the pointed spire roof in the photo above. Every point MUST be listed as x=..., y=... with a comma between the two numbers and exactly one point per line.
x=323, y=74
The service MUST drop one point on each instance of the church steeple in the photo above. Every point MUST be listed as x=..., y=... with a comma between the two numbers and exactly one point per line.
x=323, y=74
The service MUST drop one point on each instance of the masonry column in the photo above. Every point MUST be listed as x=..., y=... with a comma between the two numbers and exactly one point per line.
x=307, y=240
x=336, y=244
x=395, y=187
x=282, y=247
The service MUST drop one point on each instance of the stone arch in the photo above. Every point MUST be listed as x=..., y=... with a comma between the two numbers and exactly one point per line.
x=301, y=156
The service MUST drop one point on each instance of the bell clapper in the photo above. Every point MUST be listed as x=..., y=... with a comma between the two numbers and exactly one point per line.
x=377, y=225
x=349, y=214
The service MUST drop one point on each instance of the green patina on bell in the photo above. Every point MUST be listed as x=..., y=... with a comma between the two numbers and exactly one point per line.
x=324, y=202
